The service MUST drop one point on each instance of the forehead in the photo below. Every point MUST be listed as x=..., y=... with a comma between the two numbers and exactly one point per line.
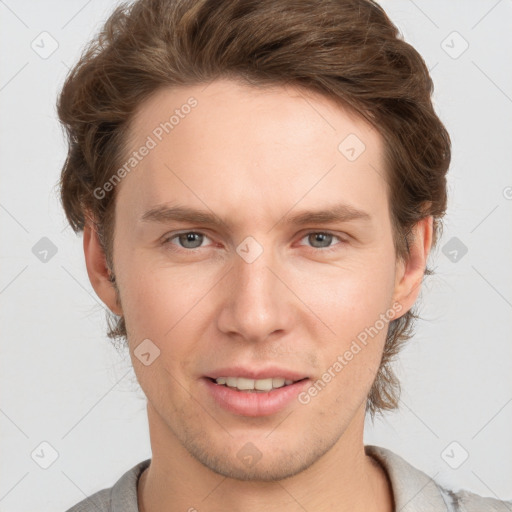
x=250, y=148
x=238, y=104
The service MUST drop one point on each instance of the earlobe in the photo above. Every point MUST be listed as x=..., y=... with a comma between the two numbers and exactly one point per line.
x=97, y=269
x=410, y=273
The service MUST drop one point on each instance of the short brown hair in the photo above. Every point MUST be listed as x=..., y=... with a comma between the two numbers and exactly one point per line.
x=347, y=50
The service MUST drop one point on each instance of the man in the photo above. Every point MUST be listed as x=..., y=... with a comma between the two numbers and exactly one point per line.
x=259, y=185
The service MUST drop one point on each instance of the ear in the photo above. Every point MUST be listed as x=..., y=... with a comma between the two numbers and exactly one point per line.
x=409, y=274
x=97, y=269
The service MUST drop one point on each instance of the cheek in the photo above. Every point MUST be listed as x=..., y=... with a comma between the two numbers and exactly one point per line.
x=165, y=305
x=360, y=316
x=355, y=303
x=349, y=297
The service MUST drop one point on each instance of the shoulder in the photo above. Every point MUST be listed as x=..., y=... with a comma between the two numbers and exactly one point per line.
x=121, y=497
x=470, y=502
x=414, y=490
x=99, y=502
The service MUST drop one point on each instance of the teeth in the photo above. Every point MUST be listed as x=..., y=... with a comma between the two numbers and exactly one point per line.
x=231, y=381
x=243, y=384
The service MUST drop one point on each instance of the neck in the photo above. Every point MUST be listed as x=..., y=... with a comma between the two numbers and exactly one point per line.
x=344, y=479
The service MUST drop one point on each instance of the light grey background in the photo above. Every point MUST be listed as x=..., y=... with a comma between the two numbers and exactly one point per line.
x=64, y=384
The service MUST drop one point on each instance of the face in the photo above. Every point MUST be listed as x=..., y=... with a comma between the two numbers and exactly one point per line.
x=253, y=284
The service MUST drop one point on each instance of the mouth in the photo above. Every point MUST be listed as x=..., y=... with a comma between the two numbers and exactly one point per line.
x=243, y=396
x=247, y=385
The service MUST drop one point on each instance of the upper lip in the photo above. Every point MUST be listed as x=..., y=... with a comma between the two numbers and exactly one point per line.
x=255, y=373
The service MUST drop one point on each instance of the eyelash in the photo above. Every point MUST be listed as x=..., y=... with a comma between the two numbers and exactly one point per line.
x=167, y=240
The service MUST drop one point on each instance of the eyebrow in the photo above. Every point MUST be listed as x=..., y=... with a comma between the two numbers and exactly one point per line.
x=336, y=213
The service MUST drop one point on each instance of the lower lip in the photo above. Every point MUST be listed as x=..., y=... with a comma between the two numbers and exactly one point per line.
x=254, y=404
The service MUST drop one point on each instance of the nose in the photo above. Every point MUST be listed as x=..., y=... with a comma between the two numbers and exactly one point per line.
x=256, y=301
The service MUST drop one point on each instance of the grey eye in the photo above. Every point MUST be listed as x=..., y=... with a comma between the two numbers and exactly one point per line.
x=195, y=239
x=322, y=238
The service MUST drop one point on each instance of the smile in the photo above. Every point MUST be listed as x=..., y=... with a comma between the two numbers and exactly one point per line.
x=254, y=385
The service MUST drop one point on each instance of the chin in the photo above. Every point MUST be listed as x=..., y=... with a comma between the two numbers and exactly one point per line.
x=258, y=461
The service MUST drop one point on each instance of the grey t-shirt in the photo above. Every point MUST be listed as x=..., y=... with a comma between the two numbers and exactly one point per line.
x=413, y=491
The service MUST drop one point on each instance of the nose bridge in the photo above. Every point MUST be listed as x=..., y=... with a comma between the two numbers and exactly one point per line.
x=255, y=305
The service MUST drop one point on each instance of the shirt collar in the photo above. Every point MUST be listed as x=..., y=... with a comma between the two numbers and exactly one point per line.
x=413, y=490
x=124, y=493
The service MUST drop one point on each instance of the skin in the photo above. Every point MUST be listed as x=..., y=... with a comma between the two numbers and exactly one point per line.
x=254, y=157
